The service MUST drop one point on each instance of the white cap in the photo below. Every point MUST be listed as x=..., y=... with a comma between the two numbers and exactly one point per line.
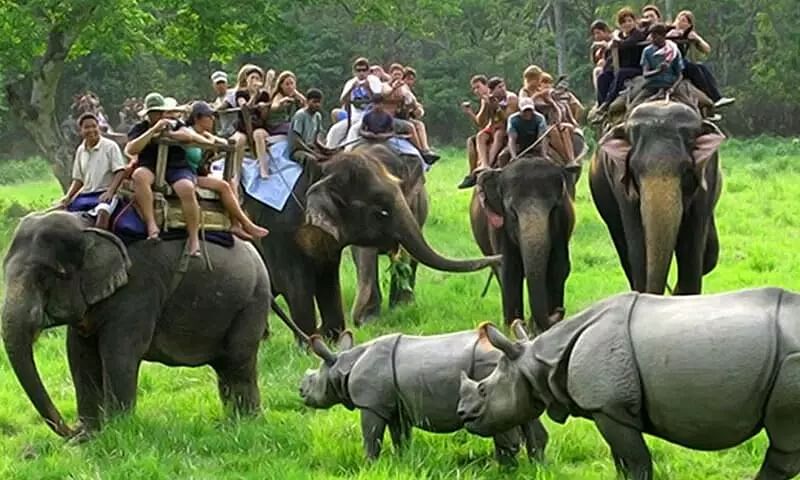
x=526, y=104
x=219, y=76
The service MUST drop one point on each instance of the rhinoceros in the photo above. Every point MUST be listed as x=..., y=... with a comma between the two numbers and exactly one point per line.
x=404, y=381
x=705, y=372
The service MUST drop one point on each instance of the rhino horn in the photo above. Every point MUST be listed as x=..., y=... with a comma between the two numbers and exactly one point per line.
x=519, y=330
x=500, y=341
x=321, y=350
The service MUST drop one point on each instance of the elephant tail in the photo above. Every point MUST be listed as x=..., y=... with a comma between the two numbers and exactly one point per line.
x=488, y=283
x=289, y=322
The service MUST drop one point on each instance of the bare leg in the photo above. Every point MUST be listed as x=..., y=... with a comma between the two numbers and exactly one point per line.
x=234, y=209
x=103, y=220
x=422, y=133
x=184, y=189
x=482, y=142
x=241, y=145
x=472, y=153
x=260, y=141
x=498, y=142
x=142, y=180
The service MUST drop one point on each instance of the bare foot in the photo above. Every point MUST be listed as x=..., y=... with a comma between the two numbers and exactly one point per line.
x=239, y=232
x=264, y=175
x=256, y=231
x=193, y=246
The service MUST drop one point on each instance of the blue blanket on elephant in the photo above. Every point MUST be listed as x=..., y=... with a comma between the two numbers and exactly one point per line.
x=275, y=190
x=129, y=226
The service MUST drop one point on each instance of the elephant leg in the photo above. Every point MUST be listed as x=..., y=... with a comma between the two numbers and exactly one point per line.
x=372, y=430
x=238, y=385
x=401, y=285
x=558, y=268
x=779, y=465
x=609, y=211
x=121, y=361
x=329, y=300
x=299, y=296
x=87, y=376
x=631, y=456
x=711, y=255
x=511, y=275
x=690, y=254
x=633, y=232
x=367, y=305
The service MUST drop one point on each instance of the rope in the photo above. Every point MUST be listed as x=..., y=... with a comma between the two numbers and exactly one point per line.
x=291, y=190
x=537, y=142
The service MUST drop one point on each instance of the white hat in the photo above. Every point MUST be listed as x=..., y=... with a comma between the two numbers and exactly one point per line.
x=219, y=76
x=526, y=104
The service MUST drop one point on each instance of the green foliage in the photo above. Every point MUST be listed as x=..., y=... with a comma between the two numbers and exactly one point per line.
x=19, y=171
x=179, y=430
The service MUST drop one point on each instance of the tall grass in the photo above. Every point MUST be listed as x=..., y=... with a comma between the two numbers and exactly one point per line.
x=179, y=430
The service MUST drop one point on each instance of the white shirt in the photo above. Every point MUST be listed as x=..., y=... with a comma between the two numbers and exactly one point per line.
x=95, y=167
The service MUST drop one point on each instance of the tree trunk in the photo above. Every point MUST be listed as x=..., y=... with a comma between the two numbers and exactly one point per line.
x=32, y=100
x=561, y=35
x=670, y=10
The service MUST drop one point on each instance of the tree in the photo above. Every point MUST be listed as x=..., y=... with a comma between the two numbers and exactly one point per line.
x=54, y=33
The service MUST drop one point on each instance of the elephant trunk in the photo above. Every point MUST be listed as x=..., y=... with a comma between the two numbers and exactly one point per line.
x=662, y=210
x=410, y=237
x=23, y=317
x=534, y=244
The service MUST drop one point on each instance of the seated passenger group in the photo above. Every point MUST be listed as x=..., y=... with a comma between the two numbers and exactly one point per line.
x=662, y=62
x=265, y=111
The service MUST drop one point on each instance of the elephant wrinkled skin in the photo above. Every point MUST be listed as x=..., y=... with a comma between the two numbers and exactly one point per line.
x=655, y=180
x=124, y=305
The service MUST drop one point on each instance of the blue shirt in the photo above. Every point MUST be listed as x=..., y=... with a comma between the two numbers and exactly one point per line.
x=652, y=58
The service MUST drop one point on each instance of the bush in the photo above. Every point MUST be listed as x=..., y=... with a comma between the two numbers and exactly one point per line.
x=20, y=171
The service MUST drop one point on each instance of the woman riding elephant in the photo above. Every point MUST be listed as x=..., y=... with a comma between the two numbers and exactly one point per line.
x=352, y=199
x=121, y=305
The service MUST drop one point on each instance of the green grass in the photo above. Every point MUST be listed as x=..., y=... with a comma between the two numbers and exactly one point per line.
x=179, y=430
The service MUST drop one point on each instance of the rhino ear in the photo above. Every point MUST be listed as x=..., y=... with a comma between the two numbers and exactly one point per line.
x=321, y=350
x=499, y=341
x=519, y=330
x=346, y=341
x=345, y=362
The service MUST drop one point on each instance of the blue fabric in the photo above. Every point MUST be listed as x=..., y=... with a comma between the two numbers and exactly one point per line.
x=652, y=58
x=283, y=174
x=83, y=202
x=403, y=146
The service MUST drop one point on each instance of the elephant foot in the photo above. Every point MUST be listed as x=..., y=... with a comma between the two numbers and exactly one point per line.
x=365, y=318
x=401, y=296
x=83, y=434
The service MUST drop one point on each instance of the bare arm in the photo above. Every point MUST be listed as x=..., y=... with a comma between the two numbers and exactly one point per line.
x=512, y=142
x=119, y=176
x=135, y=146
x=74, y=188
x=700, y=43
x=188, y=135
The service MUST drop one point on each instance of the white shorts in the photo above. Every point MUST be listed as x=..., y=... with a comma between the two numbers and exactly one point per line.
x=105, y=207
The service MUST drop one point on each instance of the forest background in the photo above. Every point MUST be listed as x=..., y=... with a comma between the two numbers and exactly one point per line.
x=120, y=48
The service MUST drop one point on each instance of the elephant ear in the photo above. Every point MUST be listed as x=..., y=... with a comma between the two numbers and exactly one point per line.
x=705, y=146
x=615, y=144
x=105, y=265
x=490, y=193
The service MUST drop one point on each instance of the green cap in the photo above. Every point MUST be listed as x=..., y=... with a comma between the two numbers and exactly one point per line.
x=153, y=102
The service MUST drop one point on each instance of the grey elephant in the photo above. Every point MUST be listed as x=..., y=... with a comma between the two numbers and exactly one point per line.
x=705, y=372
x=351, y=199
x=122, y=305
x=403, y=381
x=525, y=212
x=655, y=180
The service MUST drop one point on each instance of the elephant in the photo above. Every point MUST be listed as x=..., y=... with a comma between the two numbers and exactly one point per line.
x=404, y=381
x=121, y=305
x=525, y=212
x=703, y=371
x=350, y=199
x=655, y=180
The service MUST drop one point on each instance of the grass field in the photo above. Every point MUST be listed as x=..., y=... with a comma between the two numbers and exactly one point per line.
x=179, y=430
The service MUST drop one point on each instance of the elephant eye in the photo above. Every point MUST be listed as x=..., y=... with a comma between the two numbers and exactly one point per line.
x=382, y=214
x=482, y=390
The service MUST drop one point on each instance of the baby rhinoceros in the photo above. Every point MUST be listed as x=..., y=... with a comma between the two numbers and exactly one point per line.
x=403, y=381
x=706, y=372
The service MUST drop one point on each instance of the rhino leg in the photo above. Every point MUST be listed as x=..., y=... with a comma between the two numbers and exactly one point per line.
x=535, y=439
x=631, y=456
x=781, y=420
x=506, y=447
x=372, y=429
x=401, y=434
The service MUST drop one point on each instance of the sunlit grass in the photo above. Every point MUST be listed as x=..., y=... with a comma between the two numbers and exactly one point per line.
x=179, y=430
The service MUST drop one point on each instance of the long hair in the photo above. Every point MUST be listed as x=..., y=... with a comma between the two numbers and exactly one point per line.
x=244, y=72
x=281, y=78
